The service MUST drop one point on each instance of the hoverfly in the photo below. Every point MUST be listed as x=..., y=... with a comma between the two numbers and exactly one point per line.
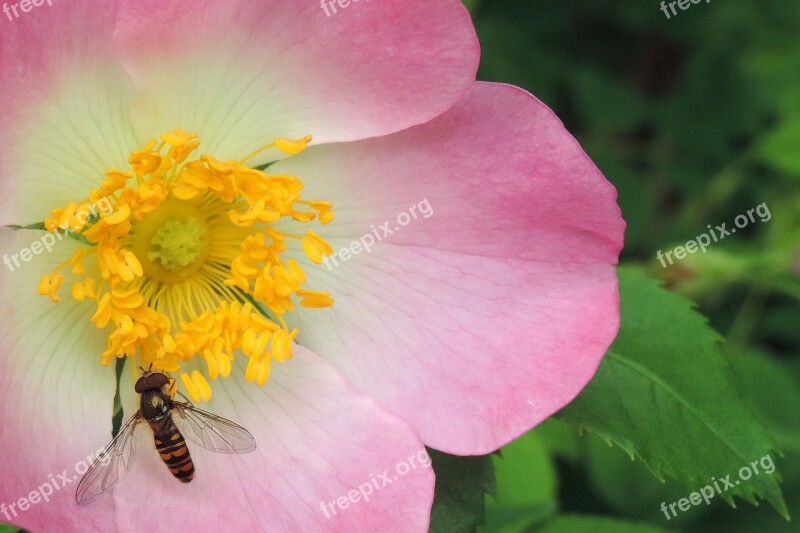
x=161, y=412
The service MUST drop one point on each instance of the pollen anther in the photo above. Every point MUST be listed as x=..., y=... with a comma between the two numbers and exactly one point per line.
x=187, y=264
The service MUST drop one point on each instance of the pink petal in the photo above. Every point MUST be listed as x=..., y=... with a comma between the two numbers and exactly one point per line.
x=65, y=107
x=56, y=399
x=318, y=440
x=244, y=72
x=483, y=319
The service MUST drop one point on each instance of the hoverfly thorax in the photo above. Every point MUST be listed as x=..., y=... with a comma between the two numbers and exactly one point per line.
x=155, y=400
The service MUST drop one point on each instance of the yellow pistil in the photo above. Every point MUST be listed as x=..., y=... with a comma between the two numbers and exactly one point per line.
x=178, y=243
x=187, y=264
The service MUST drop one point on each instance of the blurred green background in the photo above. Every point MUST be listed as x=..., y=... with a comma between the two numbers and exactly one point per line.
x=695, y=119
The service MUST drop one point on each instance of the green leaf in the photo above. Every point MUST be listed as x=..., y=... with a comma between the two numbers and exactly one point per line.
x=628, y=486
x=771, y=391
x=526, y=484
x=38, y=225
x=665, y=394
x=559, y=439
x=594, y=524
x=781, y=148
x=461, y=483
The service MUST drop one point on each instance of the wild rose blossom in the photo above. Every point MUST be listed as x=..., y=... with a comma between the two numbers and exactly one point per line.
x=459, y=332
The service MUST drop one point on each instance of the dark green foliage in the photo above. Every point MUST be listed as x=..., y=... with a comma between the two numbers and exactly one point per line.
x=695, y=120
x=461, y=483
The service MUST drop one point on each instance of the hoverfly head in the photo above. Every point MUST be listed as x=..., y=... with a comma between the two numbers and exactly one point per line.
x=151, y=381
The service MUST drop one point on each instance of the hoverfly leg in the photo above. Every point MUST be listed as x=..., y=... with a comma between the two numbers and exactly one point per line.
x=188, y=401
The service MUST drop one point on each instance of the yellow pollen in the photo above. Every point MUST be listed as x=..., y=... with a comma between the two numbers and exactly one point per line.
x=185, y=262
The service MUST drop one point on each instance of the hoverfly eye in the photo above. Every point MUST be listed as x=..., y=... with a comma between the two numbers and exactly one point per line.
x=141, y=385
x=157, y=381
x=151, y=382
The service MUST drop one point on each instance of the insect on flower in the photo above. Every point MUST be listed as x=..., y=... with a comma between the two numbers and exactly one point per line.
x=233, y=145
x=156, y=407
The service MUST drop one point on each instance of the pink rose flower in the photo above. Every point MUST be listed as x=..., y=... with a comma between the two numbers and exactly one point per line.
x=437, y=266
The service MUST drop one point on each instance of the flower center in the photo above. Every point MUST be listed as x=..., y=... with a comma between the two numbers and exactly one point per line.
x=177, y=244
x=171, y=243
x=186, y=263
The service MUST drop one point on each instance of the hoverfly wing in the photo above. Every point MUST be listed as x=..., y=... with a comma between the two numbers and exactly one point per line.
x=111, y=465
x=213, y=432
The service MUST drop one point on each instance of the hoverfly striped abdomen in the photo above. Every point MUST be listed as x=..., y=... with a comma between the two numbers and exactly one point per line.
x=173, y=450
x=157, y=407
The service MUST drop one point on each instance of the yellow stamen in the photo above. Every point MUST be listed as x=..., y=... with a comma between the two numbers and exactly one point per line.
x=188, y=245
x=315, y=299
x=284, y=145
x=49, y=286
x=316, y=247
